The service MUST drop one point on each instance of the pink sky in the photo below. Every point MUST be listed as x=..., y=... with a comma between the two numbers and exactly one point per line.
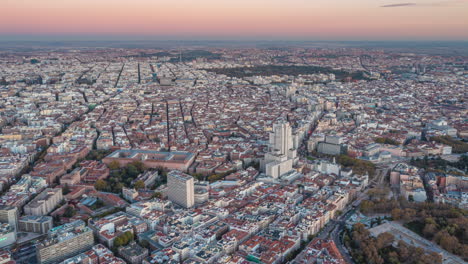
x=302, y=19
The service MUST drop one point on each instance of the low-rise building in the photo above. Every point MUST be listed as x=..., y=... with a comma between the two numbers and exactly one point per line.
x=133, y=253
x=35, y=223
x=45, y=202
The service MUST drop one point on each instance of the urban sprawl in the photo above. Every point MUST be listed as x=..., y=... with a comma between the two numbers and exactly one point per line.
x=232, y=155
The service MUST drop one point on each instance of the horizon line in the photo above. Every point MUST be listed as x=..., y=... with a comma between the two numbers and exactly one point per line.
x=123, y=38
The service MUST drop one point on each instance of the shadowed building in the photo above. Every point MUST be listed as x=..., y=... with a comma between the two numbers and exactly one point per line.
x=175, y=160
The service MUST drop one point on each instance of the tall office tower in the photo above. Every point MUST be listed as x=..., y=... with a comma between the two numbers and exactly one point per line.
x=281, y=140
x=180, y=188
x=65, y=241
x=9, y=214
x=282, y=155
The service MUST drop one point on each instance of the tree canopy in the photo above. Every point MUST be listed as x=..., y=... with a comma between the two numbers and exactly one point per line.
x=359, y=166
x=114, y=165
x=123, y=239
x=139, y=184
x=380, y=249
x=444, y=224
x=384, y=140
x=100, y=185
x=121, y=177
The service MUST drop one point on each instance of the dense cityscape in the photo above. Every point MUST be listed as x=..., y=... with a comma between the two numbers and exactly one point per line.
x=233, y=155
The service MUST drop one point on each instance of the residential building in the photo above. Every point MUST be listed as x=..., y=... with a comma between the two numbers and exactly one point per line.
x=65, y=241
x=35, y=223
x=133, y=253
x=45, y=202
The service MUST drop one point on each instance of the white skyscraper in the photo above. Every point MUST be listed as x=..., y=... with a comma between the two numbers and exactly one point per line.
x=180, y=188
x=281, y=155
x=281, y=140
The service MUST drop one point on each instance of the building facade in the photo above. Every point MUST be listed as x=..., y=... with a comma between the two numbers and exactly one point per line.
x=181, y=188
x=45, y=202
x=35, y=223
x=65, y=241
x=133, y=253
x=281, y=155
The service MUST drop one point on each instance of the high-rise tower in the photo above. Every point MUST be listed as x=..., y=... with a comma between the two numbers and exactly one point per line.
x=281, y=139
x=282, y=155
x=180, y=188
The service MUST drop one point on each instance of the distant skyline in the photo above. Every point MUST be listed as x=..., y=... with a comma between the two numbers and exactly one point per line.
x=234, y=19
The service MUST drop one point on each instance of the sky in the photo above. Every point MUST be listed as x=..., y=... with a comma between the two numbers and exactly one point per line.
x=237, y=19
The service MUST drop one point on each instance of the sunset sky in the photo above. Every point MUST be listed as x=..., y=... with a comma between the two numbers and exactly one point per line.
x=238, y=19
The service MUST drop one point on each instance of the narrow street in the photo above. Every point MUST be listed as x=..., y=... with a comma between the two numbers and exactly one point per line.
x=335, y=227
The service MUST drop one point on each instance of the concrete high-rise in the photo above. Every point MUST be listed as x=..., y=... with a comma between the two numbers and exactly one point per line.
x=65, y=241
x=281, y=155
x=9, y=215
x=180, y=188
x=281, y=140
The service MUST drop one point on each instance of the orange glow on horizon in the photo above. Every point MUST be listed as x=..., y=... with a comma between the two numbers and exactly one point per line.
x=224, y=18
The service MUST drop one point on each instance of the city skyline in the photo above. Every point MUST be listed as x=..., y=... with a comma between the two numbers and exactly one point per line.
x=233, y=131
x=235, y=20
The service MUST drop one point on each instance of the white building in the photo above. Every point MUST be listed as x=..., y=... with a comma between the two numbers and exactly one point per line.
x=282, y=155
x=180, y=188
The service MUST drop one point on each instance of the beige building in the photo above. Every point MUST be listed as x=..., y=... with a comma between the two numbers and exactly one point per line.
x=180, y=188
x=45, y=202
x=174, y=160
x=9, y=215
x=35, y=223
x=65, y=241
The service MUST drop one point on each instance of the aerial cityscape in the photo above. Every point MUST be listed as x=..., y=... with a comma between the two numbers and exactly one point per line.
x=233, y=132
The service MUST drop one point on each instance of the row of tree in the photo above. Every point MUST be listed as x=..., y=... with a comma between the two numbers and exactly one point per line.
x=124, y=177
x=359, y=166
x=120, y=177
x=123, y=239
x=441, y=165
x=97, y=154
x=458, y=146
x=385, y=140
